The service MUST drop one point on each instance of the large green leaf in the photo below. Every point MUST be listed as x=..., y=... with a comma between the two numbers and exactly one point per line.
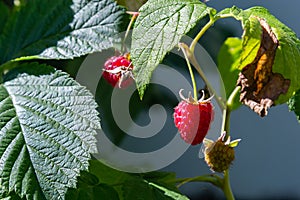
x=287, y=57
x=47, y=128
x=159, y=27
x=65, y=29
x=152, y=185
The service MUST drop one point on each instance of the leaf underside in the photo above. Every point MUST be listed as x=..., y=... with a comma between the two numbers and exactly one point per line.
x=47, y=129
x=66, y=29
x=158, y=29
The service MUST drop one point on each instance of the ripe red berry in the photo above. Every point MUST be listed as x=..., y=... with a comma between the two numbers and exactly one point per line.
x=118, y=71
x=193, y=119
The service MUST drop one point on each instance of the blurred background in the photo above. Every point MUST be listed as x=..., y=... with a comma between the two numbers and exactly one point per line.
x=267, y=158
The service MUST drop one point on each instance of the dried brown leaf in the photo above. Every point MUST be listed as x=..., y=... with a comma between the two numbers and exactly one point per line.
x=260, y=86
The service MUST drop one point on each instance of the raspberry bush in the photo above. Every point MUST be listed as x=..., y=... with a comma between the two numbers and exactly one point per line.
x=49, y=121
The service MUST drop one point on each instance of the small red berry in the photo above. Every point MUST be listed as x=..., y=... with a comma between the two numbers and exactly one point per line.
x=118, y=71
x=193, y=119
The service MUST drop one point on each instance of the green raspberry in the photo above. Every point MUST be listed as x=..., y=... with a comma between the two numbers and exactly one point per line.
x=219, y=154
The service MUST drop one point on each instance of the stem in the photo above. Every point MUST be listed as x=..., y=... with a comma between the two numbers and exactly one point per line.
x=227, y=188
x=226, y=107
x=232, y=96
x=134, y=16
x=193, y=61
x=226, y=123
x=209, y=86
x=184, y=49
x=212, y=178
x=226, y=127
x=227, y=111
x=203, y=30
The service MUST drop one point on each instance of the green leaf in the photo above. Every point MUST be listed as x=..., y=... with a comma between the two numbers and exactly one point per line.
x=169, y=193
x=287, y=57
x=294, y=104
x=106, y=174
x=4, y=13
x=251, y=41
x=40, y=30
x=100, y=191
x=165, y=179
x=251, y=37
x=228, y=63
x=141, y=189
x=88, y=187
x=135, y=186
x=159, y=27
x=48, y=123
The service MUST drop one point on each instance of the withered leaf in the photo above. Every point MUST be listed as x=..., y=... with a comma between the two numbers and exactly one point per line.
x=260, y=86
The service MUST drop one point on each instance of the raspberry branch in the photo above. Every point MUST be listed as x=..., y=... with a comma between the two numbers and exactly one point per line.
x=191, y=57
x=202, y=31
x=226, y=187
x=227, y=111
x=134, y=16
x=226, y=107
x=210, y=178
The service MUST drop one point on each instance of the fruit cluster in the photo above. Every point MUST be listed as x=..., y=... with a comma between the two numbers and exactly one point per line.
x=219, y=155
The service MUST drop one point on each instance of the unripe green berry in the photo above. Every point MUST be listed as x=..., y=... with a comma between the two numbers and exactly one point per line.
x=219, y=155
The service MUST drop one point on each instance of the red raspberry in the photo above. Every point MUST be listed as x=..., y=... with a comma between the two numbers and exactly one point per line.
x=193, y=119
x=118, y=71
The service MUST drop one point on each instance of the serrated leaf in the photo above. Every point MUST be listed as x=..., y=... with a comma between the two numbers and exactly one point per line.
x=40, y=30
x=287, y=57
x=294, y=104
x=159, y=27
x=228, y=63
x=48, y=123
